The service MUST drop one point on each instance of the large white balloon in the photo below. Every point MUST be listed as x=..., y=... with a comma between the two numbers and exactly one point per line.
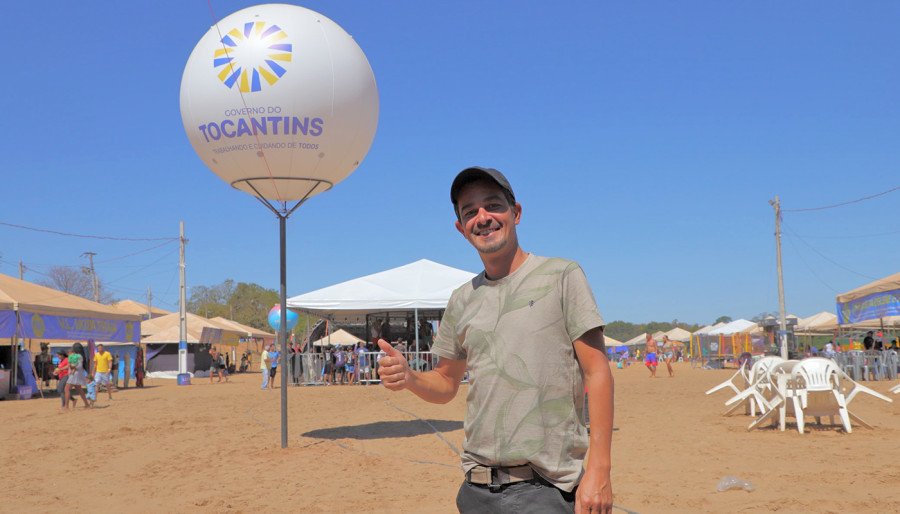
x=279, y=101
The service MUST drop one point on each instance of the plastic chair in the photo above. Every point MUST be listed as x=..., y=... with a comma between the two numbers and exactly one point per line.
x=784, y=390
x=818, y=392
x=895, y=389
x=737, y=383
x=758, y=380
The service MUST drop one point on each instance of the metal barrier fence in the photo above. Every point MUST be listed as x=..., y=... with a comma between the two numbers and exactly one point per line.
x=310, y=368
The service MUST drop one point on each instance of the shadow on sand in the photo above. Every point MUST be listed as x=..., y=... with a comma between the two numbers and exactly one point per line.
x=386, y=429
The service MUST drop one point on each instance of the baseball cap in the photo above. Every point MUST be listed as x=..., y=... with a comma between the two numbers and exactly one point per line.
x=474, y=173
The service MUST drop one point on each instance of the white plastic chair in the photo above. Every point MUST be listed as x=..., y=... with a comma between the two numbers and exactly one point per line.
x=818, y=392
x=758, y=389
x=783, y=391
x=737, y=383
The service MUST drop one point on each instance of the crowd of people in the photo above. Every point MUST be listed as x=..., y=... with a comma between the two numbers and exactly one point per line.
x=75, y=381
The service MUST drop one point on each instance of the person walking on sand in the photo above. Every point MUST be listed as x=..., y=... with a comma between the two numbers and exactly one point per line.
x=273, y=365
x=264, y=366
x=102, y=371
x=668, y=354
x=650, y=359
x=62, y=376
x=213, y=364
x=77, y=378
x=529, y=331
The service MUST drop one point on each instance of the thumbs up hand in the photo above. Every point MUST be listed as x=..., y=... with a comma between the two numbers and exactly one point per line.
x=393, y=367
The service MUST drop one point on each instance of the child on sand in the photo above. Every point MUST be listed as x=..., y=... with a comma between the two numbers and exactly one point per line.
x=91, y=392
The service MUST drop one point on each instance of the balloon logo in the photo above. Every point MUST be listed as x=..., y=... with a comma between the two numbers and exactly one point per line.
x=275, y=318
x=281, y=104
x=241, y=53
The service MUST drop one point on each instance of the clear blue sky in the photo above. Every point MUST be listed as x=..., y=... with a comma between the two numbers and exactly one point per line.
x=643, y=139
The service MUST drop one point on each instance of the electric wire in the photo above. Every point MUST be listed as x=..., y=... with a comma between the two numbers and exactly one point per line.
x=820, y=254
x=858, y=200
x=87, y=236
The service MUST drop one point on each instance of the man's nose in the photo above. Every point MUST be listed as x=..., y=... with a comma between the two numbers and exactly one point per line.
x=482, y=217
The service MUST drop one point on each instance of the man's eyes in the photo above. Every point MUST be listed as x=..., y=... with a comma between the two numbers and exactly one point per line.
x=491, y=207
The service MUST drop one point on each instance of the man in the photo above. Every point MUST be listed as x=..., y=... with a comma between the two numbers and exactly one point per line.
x=264, y=366
x=102, y=367
x=527, y=328
x=650, y=360
x=869, y=341
x=213, y=364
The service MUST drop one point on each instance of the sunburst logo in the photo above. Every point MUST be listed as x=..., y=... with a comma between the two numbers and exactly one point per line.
x=37, y=326
x=252, y=55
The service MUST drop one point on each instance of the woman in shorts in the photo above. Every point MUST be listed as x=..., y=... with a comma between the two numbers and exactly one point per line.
x=668, y=354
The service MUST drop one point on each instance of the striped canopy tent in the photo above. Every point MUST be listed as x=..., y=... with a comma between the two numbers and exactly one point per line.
x=822, y=323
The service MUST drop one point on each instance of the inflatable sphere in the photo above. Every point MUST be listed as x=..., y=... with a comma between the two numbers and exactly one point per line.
x=275, y=318
x=279, y=101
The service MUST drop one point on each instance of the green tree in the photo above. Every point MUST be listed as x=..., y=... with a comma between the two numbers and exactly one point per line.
x=724, y=319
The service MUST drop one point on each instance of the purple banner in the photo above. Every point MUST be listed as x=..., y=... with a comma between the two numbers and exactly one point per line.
x=7, y=323
x=40, y=326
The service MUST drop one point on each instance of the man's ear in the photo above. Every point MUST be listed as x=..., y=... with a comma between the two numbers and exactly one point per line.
x=518, y=212
x=460, y=228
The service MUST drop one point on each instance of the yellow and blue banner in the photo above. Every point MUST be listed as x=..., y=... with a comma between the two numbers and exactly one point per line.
x=42, y=326
x=873, y=306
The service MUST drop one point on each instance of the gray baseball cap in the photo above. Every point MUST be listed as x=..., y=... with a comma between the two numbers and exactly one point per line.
x=474, y=173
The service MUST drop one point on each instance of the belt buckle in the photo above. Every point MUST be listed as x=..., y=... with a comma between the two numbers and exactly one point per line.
x=502, y=479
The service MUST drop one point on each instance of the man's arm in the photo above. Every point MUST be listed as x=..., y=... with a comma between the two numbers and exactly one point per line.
x=437, y=386
x=595, y=490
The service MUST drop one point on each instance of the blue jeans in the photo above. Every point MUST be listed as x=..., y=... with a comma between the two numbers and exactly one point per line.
x=265, y=374
x=538, y=497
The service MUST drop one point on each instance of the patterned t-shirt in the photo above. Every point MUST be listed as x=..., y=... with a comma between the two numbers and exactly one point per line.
x=525, y=386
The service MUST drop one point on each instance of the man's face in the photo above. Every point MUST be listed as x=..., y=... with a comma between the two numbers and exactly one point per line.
x=486, y=219
x=100, y=348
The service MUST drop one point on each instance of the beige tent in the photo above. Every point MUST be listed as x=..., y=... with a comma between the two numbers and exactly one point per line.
x=338, y=338
x=255, y=333
x=822, y=323
x=612, y=343
x=888, y=283
x=140, y=309
x=679, y=334
x=20, y=295
x=636, y=340
x=166, y=329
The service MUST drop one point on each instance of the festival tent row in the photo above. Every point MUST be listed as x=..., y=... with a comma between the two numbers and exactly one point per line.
x=32, y=314
x=876, y=300
x=162, y=335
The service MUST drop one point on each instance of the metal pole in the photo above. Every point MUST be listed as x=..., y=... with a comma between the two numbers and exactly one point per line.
x=182, y=309
x=781, y=316
x=21, y=270
x=417, y=333
x=149, y=303
x=282, y=330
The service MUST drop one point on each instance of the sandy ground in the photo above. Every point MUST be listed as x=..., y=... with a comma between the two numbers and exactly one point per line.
x=216, y=448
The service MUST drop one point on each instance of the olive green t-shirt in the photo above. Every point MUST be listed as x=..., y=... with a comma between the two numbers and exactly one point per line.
x=525, y=387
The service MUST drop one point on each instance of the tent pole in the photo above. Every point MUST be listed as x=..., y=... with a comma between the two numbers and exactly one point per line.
x=417, y=333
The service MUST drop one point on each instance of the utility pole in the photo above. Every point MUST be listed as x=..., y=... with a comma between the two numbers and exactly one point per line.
x=90, y=256
x=149, y=303
x=182, y=332
x=781, y=319
x=21, y=270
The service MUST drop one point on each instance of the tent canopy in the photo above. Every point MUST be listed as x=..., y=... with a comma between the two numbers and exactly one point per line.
x=239, y=327
x=166, y=329
x=34, y=311
x=140, y=309
x=21, y=295
x=823, y=322
x=878, y=299
x=679, y=334
x=636, y=340
x=338, y=338
x=738, y=326
x=419, y=285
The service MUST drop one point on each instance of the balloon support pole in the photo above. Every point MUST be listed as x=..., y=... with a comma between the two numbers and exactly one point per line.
x=283, y=212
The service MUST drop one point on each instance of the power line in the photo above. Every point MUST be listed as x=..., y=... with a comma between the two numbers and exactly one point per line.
x=808, y=267
x=86, y=236
x=857, y=236
x=811, y=247
x=843, y=203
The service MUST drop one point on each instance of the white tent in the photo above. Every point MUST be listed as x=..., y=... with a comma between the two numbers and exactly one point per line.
x=708, y=328
x=612, y=343
x=738, y=326
x=416, y=286
x=338, y=338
